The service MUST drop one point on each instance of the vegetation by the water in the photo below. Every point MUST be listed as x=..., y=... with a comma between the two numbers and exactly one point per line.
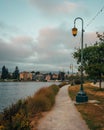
x=93, y=111
x=19, y=115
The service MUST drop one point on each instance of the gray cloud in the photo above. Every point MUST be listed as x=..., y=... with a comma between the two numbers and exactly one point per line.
x=18, y=50
x=54, y=44
x=52, y=50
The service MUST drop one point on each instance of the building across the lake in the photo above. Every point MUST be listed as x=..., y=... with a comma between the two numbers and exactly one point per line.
x=25, y=75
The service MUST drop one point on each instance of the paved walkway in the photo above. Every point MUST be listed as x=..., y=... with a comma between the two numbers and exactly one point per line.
x=64, y=115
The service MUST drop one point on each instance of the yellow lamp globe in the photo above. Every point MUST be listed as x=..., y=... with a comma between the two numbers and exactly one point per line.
x=74, y=31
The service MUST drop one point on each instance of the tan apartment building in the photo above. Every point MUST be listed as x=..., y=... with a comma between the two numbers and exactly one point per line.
x=25, y=76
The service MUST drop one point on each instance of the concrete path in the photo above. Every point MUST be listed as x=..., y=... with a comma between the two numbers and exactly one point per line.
x=63, y=116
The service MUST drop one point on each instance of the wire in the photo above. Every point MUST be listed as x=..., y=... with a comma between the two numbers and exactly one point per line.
x=100, y=11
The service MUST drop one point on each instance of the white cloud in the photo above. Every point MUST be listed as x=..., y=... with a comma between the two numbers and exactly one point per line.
x=90, y=38
x=55, y=7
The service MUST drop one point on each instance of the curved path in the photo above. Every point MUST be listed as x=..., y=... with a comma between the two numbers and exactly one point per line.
x=64, y=115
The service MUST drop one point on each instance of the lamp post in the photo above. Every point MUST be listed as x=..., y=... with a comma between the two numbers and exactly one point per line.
x=71, y=67
x=81, y=95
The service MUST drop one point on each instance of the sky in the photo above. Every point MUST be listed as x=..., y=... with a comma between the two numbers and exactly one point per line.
x=36, y=34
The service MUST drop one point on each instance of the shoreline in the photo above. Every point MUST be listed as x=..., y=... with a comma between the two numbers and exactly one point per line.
x=23, y=110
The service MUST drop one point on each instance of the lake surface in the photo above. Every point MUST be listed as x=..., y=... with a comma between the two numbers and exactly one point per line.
x=10, y=92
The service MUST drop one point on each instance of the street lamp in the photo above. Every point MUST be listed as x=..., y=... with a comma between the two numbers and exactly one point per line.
x=81, y=95
x=71, y=67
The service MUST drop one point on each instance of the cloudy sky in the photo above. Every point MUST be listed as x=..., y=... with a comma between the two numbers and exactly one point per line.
x=36, y=34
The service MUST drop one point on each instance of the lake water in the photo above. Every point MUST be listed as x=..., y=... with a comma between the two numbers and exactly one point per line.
x=10, y=92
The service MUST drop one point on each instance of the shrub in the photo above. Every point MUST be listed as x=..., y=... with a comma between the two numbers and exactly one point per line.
x=77, y=81
x=13, y=109
x=43, y=100
x=41, y=103
x=50, y=95
x=72, y=83
x=20, y=121
x=55, y=88
x=2, y=127
x=62, y=84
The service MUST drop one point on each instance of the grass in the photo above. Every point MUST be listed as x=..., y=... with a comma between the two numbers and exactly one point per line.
x=93, y=113
x=43, y=100
x=19, y=115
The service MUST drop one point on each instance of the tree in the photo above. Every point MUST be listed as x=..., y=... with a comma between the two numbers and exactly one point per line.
x=16, y=73
x=61, y=76
x=5, y=73
x=100, y=36
x=93, y=59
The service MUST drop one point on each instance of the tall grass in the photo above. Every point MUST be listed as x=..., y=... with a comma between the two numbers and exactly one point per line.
x=17, y=116
x=62, y=84
x=43, y=100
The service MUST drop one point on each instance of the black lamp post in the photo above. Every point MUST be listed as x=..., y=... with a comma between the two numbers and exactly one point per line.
x=81, y=95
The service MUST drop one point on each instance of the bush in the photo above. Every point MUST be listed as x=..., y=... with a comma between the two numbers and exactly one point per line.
x=20, y=121
x=2, y=127
x=55, y=88
x=13, y=109
x=15, y=117
x=43, y=100
x=41, y=103
x=62, y=84
x=77, y=81
x=48, y=93
x=72, y=83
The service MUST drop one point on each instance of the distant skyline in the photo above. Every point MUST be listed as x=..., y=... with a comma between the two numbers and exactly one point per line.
x=36, y=34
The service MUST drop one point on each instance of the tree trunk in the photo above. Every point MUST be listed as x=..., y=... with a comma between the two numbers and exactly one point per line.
x=100, y=84
x=100, y=80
